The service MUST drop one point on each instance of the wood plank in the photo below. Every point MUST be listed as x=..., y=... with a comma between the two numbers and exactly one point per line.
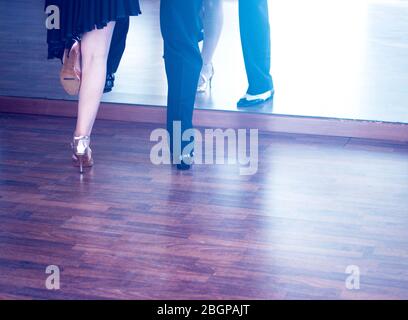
x=131, y=230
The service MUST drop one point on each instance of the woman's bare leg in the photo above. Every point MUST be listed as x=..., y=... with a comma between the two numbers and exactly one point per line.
x=95, y=49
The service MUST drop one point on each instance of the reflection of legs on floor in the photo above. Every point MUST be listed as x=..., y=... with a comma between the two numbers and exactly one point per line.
x=117, y=49
x=213, y=19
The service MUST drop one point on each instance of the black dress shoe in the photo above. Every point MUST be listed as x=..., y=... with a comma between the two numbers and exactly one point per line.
x=186, y=162
x=110, y=83
x=183, y=166
x=255, y=100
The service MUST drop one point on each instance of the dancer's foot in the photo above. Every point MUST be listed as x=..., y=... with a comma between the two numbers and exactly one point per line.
x=252, y=100
x=110, y=83
x=206, y=76
x=82, y=153
x=186, y=162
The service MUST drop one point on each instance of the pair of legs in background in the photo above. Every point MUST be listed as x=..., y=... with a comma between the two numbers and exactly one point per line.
x=256, y=45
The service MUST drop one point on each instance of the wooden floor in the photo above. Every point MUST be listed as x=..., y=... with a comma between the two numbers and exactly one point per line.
x=131, y=230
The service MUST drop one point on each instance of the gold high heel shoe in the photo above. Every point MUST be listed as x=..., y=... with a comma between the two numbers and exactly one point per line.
x=205, y=82
x=82, y=153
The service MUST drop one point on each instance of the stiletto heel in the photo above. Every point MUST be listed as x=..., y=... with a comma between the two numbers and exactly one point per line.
x=82, y=153
x=81, y=164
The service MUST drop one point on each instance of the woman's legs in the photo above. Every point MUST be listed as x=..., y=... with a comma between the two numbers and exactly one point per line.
x=212, y=22
x=95, y=47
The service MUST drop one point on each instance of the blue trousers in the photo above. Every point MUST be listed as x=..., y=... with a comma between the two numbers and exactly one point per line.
x=181, y=30
x=256, y=44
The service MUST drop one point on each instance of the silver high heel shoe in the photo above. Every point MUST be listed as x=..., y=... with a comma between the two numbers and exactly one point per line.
x=205, y=82
x=82, y=153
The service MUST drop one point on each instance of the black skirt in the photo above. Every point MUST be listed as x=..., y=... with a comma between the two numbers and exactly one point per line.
x=80, y=16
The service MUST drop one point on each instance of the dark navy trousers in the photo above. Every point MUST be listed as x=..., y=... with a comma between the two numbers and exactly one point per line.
x=118, y=45
x=181, y=30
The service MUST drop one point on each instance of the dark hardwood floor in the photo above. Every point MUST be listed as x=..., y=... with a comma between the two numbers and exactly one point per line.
x=131, y=230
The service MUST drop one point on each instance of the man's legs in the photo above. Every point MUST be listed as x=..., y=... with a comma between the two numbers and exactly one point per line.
x=181, y=30
x=116, y=51
x=256, y=44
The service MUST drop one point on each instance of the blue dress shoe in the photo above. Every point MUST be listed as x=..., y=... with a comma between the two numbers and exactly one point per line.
x=252, y=100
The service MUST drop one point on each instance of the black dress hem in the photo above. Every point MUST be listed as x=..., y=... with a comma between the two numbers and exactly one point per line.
x=81, y=16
